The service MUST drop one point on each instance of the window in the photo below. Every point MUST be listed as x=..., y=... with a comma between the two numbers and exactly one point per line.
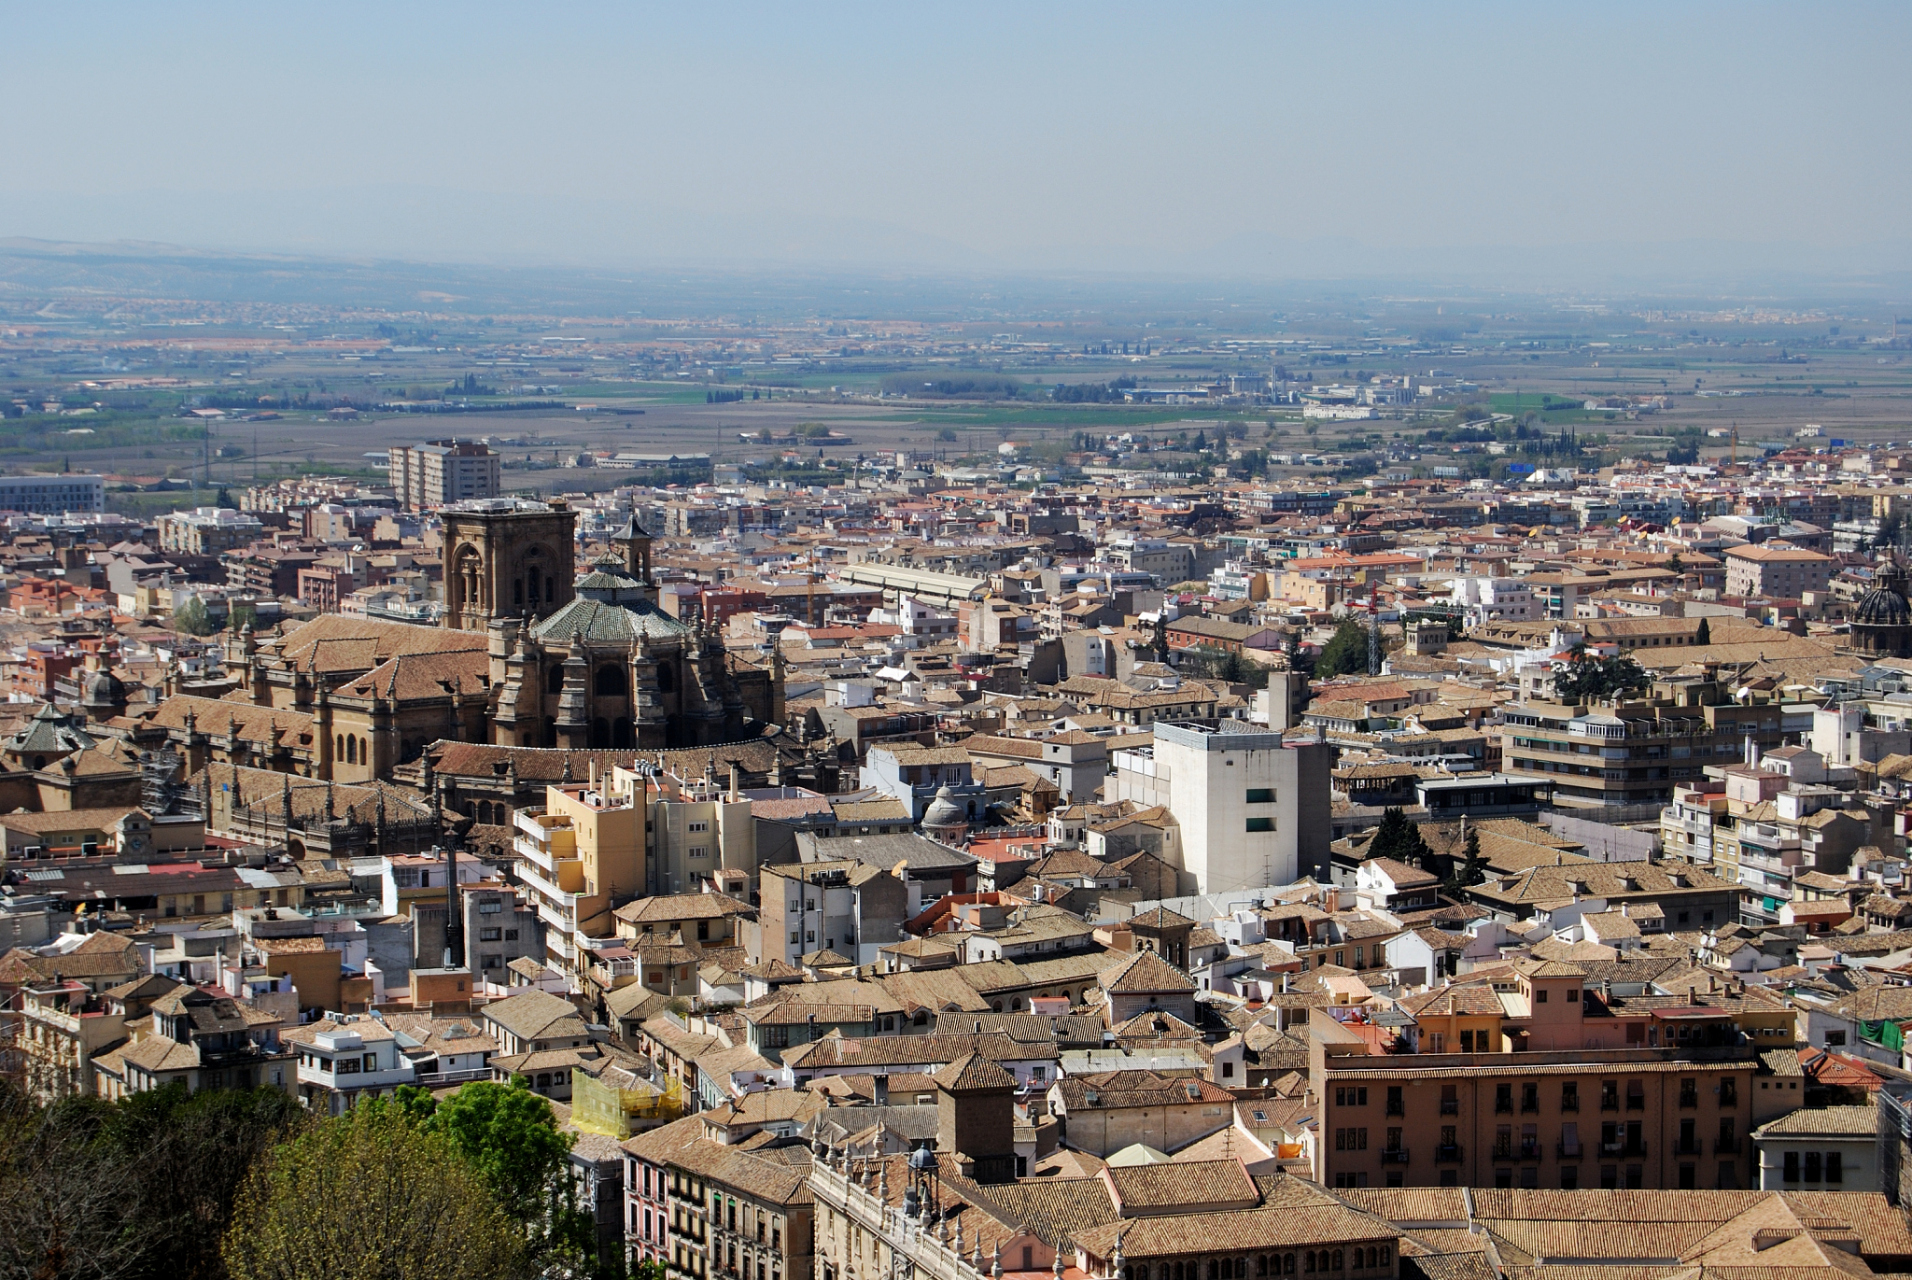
x=1812, y=1166
x=1636, y=1095
x=1835, y=1167
x=699, y=851
x=1351, y=1095
x=1570, y=1095
x=696, y=826
x=1261, y=824
x=1729, y=1091
x=489, y=935
x=1503, y=1097
x=1261, y=795
x=1609, y=1095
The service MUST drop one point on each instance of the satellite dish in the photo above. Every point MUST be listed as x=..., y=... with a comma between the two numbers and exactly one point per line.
x=901, y=869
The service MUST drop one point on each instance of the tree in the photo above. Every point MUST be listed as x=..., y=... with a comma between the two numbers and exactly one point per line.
x=1159, y=640
x=371, y=1196
x=509, y=1135
x=1588, y=678
x=1398, y=838
x=77, y=1193
x=1704, y=633
x=1470, y=869
x=1347, y=651
x=1201, y=441
x=191, y=618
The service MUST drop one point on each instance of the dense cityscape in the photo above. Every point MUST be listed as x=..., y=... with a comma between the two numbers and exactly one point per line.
x=1056, y=642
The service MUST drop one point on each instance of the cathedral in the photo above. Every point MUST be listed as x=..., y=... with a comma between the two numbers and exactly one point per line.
x=591, y=663
x=530, y=654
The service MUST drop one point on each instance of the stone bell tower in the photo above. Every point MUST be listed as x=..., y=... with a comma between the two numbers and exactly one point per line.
x=507, y=558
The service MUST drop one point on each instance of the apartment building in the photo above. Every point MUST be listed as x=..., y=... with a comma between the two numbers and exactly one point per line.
x=207, y=531
x=432, y=474
x=1632, y=753
x=579, y=857
x=52, y=495
x=840, y=905
x=1783, y=573
x=704, y=1207
x=1253, y=808
x=1548, y=1090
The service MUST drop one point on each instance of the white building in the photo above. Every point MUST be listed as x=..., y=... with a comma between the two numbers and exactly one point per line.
x=1253, y=808
x=443, y=471
x=345, y=1057
x=52, y=495
x=1486, y=599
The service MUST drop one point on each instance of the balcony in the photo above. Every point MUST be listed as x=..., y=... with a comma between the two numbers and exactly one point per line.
x=1530, y=1149
x=1447, y=1153
x=1688, y=1147
x=1504, y=1150
x=1726, y=1146
x=1625, y=1148
x=1569, y=1150
x=1396, y=1107
x=1450, y=1106
x=1394, y=1155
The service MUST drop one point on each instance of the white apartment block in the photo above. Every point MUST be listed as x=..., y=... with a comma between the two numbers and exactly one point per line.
x=443, y=471
x=52, y=495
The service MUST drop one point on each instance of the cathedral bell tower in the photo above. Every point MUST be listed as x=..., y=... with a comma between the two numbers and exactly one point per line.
x=508, y=558
x=635, y=543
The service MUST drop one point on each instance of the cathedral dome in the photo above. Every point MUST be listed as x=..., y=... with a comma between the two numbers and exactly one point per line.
x=1884, y=605
x=101, y=688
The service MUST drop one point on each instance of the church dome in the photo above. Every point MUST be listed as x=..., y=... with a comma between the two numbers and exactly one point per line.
x=944, y=811
x=1885, y=605
x=101, y=688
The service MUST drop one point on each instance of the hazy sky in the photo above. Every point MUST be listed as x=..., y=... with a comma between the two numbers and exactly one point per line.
x=1170, y=137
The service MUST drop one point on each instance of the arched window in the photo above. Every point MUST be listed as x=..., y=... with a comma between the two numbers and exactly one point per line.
x=1213, y=1272
x=922, y=1020
x=1387, y=1259
x=365, y=752
x=339, y=751
x=1337, y=1260
x=544, y=1080
x=666, y=678
x=554, y=680
x=517, y=591
x=1261, y=1264
x=1308, y=1261
x=351, y=749
x=1241, y=1268
x=609, y=682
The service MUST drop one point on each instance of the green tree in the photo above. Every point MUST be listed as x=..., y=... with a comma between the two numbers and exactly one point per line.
x=946, y=434
x=1398, y=838
x=1471, y=866
x=1159, y=640
x=191, y=618
x=241, y=615
x=1703, y=634
x=1347, y=651
x=371, y=1196
x=511, y=1137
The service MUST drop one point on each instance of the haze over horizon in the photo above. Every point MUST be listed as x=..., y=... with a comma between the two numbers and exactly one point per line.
x=1647, y=145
